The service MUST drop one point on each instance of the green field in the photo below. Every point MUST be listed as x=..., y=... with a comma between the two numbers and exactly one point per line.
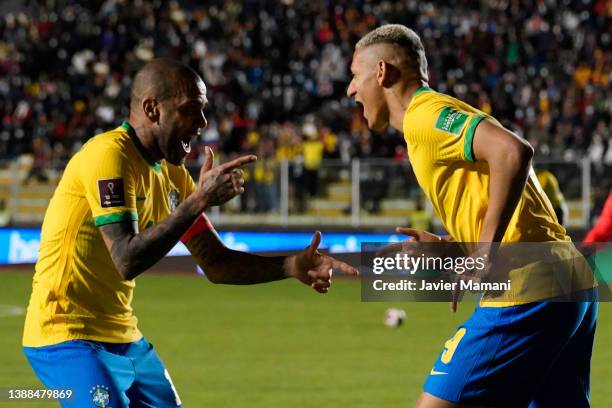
x=281, y=344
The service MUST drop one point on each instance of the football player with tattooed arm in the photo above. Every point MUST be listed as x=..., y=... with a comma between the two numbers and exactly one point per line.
x=124, y=200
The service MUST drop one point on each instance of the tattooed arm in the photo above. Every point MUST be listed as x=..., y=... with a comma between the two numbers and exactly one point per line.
x=133, y=252
x=227, y=266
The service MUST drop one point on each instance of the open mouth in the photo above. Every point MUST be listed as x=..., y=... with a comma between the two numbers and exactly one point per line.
x=186, y=145
x=360, y=107
x=187, y=138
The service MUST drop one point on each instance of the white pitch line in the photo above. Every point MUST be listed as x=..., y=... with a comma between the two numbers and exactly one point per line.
x=11, y=310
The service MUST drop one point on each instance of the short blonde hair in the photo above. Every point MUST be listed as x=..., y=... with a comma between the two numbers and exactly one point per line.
x=402, y=37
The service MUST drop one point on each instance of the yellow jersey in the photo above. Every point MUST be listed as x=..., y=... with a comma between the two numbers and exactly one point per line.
x=77, y=293
x=550, y=186
x=313, y=154
x=439, y=130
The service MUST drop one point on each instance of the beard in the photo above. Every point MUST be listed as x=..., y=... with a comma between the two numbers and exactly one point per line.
x=171, y=146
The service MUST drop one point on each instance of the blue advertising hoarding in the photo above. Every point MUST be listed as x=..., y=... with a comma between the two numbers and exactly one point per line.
x=18, y=246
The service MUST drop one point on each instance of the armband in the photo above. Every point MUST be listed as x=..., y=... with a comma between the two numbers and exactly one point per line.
x=201, y=224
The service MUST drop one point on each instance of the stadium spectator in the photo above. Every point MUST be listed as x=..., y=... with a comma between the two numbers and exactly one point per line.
x=265, y=178
x=312, y=150
x=550, y=186
x=41, y=153
x=546, y=64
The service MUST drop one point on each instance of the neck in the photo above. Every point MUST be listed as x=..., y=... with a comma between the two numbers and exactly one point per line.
x=398, y=99
x=146, y=137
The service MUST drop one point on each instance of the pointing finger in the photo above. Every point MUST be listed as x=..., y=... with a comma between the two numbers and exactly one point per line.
x=344, y=267
x=239, y=162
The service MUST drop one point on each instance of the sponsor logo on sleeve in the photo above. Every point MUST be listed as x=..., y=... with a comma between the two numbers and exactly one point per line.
x=451, y=121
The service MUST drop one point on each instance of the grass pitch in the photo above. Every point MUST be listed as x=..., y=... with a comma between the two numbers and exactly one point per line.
x=281, y=344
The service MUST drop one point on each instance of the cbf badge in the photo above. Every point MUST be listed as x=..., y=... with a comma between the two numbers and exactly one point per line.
x=173, y=200
x=100, y=396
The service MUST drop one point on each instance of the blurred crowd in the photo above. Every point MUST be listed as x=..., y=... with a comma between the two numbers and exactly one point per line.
x=277, y=71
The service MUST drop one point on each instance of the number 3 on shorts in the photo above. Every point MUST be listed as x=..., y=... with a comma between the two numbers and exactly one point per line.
x=451, y=345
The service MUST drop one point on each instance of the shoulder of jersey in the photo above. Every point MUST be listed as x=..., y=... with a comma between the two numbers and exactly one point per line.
x=111, y=139
x=429, y=102
x=422, y=106
x=424, y=97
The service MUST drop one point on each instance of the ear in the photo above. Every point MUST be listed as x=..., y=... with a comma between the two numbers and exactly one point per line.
x=150, y=108
x=386, y=74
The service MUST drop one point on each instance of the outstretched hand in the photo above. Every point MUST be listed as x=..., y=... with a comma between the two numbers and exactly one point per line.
x=314, y=268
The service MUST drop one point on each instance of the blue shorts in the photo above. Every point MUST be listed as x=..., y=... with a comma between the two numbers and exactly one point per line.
x=533, y=355
x=105, y=374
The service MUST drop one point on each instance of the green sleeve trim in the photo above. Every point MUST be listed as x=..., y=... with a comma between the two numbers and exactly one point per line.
x=469, y=137
x=115, y=217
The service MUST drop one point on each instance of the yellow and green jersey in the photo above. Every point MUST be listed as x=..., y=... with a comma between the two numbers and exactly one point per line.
x=439, y=130
x=77, y=293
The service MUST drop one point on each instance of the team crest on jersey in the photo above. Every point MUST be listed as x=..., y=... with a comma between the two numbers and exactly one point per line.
x=100, y=396
x=173, y=200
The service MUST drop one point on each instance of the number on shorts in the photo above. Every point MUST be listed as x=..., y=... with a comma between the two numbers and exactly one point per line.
x=451, y=345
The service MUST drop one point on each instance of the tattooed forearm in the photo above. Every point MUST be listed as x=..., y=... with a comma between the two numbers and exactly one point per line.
x=133, y=252
x=241, y=268
x=223, y=265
